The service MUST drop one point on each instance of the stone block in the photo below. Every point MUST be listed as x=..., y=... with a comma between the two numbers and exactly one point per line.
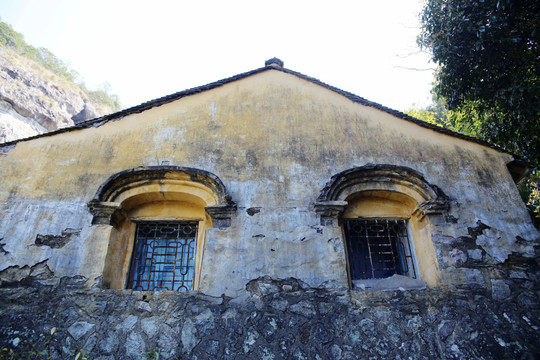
x=500, y=290
x=80, y=329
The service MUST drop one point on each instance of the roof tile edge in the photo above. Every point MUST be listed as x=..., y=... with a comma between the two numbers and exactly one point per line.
x=270, y=64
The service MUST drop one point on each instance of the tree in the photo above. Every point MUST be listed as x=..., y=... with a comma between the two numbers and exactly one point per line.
x=489, y=75
x=436, y=113
x=489, y=68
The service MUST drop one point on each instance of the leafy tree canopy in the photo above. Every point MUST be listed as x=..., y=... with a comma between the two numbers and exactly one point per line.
x=489, y=68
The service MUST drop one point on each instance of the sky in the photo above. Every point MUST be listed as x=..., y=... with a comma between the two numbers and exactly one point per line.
x=142, y=50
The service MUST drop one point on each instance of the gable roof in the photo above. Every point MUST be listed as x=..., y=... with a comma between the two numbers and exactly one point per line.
x=518, y=167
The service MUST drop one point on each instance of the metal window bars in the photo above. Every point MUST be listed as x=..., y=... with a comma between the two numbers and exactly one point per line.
x=378, y=248
x=163, y=256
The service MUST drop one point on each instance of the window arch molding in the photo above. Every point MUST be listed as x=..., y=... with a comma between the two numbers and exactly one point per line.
x=156, y=194
x=379, y=177
x=382, y=191
x=132, y=187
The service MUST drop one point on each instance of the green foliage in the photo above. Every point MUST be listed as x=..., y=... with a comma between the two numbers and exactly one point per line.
x=11, y=38
x=51, y=62
x=489, y=75
x=102, y=96
x=29, y=350
x=426, y=115
x=81, y=355
x=152, y=354
x=15, y=41
x=436, y=113
x=529, y=190
x=489, y=68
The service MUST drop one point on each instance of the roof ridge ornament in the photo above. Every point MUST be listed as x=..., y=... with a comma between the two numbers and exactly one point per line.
x=274, y=62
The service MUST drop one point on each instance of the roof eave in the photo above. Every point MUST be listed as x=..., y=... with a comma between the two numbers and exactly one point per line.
x=519, y=169
x=270, y=66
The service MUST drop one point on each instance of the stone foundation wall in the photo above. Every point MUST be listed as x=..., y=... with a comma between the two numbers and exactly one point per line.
x=276, y=319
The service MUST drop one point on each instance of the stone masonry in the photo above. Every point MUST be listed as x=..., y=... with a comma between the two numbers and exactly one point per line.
x=276, y=319
x=272, y=165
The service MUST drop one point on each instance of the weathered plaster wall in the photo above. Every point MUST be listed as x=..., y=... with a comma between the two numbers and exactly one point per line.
x=274, y=140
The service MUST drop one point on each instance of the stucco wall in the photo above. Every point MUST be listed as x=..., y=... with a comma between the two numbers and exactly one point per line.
x=274, y=140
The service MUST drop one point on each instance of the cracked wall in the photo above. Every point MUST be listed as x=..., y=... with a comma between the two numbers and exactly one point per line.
x=274, y=140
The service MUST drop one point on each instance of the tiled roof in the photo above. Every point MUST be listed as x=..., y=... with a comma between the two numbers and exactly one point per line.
x=273, y=64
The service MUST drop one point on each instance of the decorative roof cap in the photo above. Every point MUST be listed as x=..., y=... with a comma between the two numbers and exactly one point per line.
x=274, y=62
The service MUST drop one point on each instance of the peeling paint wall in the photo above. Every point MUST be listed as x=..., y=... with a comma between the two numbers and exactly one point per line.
x=274, y=140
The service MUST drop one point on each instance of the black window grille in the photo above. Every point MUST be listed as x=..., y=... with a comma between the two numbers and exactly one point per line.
x=378, y=248
x=163, y=256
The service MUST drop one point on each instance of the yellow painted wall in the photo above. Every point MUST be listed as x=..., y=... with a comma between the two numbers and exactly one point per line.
x=243, y=129
x=274, y=140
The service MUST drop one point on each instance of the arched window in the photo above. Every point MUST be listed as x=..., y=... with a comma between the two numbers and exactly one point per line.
x=159, y=216
x=385, y=212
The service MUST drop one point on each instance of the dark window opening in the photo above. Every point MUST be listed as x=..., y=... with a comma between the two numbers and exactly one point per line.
x=163, y=256
x=378, y=249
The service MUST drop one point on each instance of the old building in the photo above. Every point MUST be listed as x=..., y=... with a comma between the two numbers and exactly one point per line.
x=267, y=185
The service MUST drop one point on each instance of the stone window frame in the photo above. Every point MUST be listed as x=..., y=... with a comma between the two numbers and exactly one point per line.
x=135, y=195
x=428, y=205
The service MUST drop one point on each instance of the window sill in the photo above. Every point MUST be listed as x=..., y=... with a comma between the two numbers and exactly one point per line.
x=395, y=282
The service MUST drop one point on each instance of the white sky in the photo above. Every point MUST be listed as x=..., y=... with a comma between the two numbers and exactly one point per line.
x=148, y=49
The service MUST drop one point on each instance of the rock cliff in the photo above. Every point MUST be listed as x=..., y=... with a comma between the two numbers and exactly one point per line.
x=34, y=100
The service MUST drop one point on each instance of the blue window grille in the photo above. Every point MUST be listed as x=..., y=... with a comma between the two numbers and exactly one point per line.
x=163, y=256
x=378, y=248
